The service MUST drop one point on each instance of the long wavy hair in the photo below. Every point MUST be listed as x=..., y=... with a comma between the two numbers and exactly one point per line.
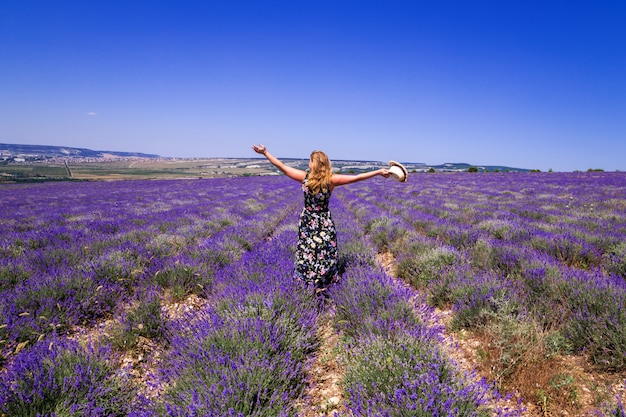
x=321, y=174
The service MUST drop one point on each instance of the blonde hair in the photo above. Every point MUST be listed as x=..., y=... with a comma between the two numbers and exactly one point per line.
x=320, y=177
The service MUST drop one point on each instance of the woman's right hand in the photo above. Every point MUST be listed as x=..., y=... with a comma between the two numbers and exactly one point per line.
x=259, y=149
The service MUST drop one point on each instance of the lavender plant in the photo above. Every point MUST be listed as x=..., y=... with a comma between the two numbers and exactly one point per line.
x=143, y=319
x=59, y=376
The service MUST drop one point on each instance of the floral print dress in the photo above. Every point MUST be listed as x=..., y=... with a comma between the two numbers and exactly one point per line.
x=316, y=254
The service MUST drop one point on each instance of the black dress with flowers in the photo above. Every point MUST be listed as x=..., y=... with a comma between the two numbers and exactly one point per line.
x=316, y=254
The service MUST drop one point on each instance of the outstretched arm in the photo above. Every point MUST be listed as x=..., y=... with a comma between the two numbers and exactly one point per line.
x=291, y=172
x=341, y=179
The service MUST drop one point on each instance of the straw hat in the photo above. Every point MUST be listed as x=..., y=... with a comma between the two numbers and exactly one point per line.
x=398, y=171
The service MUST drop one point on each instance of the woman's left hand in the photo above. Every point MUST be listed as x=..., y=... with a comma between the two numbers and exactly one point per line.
x=384, y=172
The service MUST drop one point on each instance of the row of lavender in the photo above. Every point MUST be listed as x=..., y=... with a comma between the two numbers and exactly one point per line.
x=532, y=259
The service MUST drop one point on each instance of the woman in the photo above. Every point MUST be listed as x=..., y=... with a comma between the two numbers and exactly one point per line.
x=316, y=254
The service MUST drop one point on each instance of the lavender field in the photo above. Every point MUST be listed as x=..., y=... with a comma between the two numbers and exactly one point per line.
x=499, y=294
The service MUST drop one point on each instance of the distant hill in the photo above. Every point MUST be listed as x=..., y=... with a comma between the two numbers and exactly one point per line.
x=16, y=152
x=462, y=166
x=44, y=151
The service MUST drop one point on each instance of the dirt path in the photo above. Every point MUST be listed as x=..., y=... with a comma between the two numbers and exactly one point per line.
x=324, y=395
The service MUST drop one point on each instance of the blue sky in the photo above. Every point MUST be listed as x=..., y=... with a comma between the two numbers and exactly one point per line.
x=529, y=84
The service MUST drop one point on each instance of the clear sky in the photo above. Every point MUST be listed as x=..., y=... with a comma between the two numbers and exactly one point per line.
x=527, y=84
